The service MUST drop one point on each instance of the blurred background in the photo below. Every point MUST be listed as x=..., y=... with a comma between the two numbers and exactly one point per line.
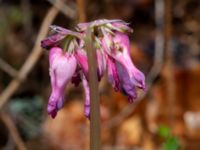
x=165, y=45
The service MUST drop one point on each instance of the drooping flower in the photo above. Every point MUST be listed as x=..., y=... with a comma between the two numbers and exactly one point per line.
x=128, y=77
x=62, y=67
x=118, y=47
x=112, y=53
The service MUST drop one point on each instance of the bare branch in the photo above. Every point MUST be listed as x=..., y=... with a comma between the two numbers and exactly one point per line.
x=169, y=66
x=31, y=60
x=7, y=68
x=81, y=10
x=65, y=9
x=13, y=131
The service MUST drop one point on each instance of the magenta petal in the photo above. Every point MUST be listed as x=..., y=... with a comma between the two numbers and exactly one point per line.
x=52, y=109
x=59, y=34
x=81, y=58
x=62, y=68
x=51, y=41
x=112, y=74
x=101, y=63
x=118, y=47
x=87, y=97
x=120, y=80
x=136, y=76
x=128, y=87
x=124, y=57
x=121, y=40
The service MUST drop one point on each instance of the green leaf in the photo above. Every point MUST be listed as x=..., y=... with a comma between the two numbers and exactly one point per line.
x=171, y=144
x=164, y=131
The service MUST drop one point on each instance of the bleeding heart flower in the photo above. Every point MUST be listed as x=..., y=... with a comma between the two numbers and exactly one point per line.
x=62, y=68
x=112, y=52
x=127, y=76
x=118, y=47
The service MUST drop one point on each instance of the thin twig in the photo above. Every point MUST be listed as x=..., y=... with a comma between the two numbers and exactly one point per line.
x=169, y=66
x=65, y=9
x=31, y=60
x=27, y=19
x=13, y=131
x=8, y=68
x=81, y=10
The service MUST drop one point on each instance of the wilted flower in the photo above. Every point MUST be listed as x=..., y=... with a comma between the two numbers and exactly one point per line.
x=116, y=24
x=118, y=47
x=59, y=34
x=112, y=49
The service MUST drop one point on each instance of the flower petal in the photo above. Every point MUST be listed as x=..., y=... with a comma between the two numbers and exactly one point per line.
x=101, y=63
x=81, y=58
x=118, y=47
x=128, y=87
x=52, y=41
x=87, y=97
x=62, y=68
x=112, y=74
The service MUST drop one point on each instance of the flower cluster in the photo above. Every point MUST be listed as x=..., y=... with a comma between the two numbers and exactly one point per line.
x=69, y=63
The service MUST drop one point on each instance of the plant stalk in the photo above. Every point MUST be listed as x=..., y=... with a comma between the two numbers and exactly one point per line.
x=95, y=143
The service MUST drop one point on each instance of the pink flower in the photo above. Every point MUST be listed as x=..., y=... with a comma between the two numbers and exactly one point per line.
x=128, y=76
x=112, y=52
x=62, y=68
x=122, y=45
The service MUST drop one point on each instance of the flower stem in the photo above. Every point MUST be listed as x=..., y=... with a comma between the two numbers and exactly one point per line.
x=95, y=143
